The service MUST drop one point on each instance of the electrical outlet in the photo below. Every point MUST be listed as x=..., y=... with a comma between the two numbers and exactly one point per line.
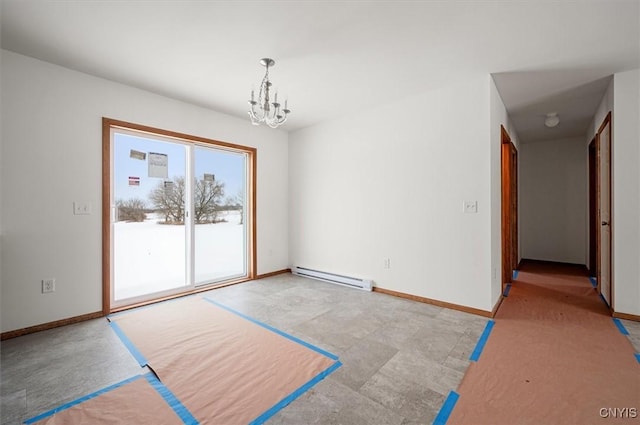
x=470, y=207
x=387, y=263
x=48, y=285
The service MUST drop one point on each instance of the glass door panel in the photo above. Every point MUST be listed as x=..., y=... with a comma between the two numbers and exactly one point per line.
x=220, y=234
x=148, y=217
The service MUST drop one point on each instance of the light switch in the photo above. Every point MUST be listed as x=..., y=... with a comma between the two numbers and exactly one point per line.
x=470, y=207
x=82, y=208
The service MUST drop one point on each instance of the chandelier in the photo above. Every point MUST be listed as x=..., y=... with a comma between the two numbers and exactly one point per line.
x=267, y=112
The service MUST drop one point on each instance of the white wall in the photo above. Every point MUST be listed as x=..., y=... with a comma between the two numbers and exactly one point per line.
x=623, y=100
x=1, y=174
x=605, y=106
x=554, y=197
x=52, y=156
x=390, y=183
x=499, y=117
x=626, y=192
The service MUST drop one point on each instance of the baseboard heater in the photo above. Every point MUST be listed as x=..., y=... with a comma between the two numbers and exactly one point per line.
x=353, y=282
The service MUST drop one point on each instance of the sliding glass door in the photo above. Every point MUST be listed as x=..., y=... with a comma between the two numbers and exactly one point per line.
x=219, y=232
x=178, y=215
x=149, y=232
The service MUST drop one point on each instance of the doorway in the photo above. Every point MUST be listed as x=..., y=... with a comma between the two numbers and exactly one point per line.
x=603, y=211
x=178, y=214
x=593, y=206
x=509, y=190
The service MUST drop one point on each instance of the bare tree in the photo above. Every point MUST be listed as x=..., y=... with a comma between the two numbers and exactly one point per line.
x=208, y=195
x=131, y=210
x=169, y=198
x=239, y=201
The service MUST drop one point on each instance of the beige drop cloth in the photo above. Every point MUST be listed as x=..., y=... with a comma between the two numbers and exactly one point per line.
x=224, y=368
x=136, y=402
x=554, y=357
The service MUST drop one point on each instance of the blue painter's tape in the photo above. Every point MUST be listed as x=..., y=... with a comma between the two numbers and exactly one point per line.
x=482, y=341
x=446, y=409
x=171, y=400
x=80, y=400
x=166, y=394
x=620, y=326
x=637, y=357
x=506, y=290
x=297, y=393
x=515, y=274
x=142, y=361
x=278, y=331
x=594, y=281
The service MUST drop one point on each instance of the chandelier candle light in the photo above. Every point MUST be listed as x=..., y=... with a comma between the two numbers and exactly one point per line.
x=268, y=113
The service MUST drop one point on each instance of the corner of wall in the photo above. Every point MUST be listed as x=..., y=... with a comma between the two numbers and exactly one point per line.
x=499, y=117
x=2, y=178
x=625, y=104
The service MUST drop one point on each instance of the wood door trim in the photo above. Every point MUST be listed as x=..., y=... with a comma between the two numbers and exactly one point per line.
x=598, y=220
x=106, y=216
x=174, y=135
x=508, y=177
x=504, y=219
x=514, y=208
x=107, y=125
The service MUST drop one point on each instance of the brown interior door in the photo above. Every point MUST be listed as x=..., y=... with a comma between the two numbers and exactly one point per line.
x=509, y=178
x=603, y=199
x=514, y=207
x=593, y=209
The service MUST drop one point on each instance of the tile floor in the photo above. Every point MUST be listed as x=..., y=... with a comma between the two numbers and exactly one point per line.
x=401, y=358
x=634, y=333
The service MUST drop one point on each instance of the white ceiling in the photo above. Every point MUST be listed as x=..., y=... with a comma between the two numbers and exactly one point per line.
x=336, y=57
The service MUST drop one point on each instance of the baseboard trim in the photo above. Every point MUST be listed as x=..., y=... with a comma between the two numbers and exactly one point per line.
x=77, y=319
x=626, y=316
x=497, y=306
x=276, y=273
x=438, y=303
x=50, y=325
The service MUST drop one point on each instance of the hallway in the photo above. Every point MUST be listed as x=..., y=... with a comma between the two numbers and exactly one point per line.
x=554, y=356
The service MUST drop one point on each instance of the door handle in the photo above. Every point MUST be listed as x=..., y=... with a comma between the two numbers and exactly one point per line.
x=605, y=223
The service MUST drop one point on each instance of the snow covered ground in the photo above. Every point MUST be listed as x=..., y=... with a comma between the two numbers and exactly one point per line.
x=150, y=257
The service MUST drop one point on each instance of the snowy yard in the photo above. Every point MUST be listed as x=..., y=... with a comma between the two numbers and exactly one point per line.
x=150, y=257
